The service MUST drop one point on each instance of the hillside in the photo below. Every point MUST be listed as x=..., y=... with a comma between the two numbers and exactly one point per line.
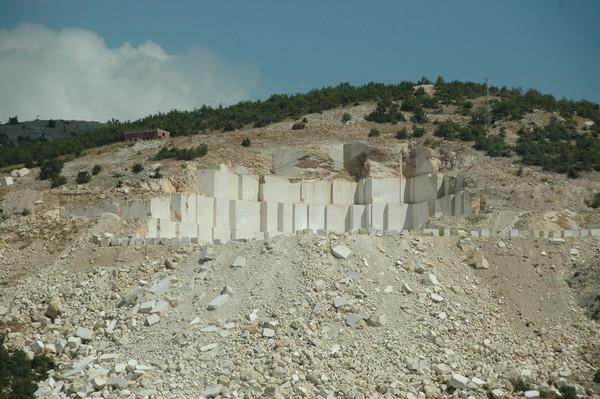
x=515, y=314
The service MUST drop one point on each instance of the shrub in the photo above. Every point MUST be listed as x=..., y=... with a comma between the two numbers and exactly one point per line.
x=96, y=169
x=494, y=146
x=51, y=123
x=419, y=115
x=182, y=154
x=14, y=120
x=137, y=168
x=19, y=374
x=119, y=183
x=58, y=181
x=386, y=112
x=298, y=126
x=374, y=133
x=520, y=385
x=346, y=117
x=83, y=177
x=25, y=212
x=418, y=131
x=156, y=174
x=50, y=169
x=246, y=142
x=402, y=134
x=593, y=202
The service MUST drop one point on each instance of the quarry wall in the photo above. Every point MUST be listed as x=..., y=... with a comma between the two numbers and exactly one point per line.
x=234, y=206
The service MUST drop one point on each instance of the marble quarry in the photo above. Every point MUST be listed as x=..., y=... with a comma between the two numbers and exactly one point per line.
x=234, y=206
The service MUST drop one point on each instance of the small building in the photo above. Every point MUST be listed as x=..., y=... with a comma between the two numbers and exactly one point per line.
x=151, y=134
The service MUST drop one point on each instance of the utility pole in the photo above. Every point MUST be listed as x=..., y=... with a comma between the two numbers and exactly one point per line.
x=488, y=118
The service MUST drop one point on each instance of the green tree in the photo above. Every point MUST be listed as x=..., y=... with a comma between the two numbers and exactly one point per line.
x=50, y=169
x=419, y=116
x=83, y=177
x=374, y=133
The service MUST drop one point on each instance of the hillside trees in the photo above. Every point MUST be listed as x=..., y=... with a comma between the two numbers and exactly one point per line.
x=506, y=104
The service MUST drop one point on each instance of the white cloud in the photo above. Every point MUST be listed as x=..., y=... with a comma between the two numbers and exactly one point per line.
x=72, y=74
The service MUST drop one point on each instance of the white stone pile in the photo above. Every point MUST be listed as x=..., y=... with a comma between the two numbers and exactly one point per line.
x=305, y=316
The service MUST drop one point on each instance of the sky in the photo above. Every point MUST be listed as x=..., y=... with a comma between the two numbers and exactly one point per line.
x=99, y=60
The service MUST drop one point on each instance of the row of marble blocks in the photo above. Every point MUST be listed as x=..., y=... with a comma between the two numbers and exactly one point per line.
x=443, y=232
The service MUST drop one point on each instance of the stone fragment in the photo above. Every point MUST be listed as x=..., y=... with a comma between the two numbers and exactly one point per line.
x=388, y=289
x=160, y=308
x=211, y=392
x=478, y=382
x=556, y=240
x=147, y=306
x=458, y=381
x=406, y=288
x=84, y=333
x=430, y=280
x=239, y=261
x=227, y=290
x=52, y=310
x=98, y=383
x=37, y=347
x=73, y=342
x=498, y=393
x=206, y=254
x=533, y=394
x=441, y=369
x=208, y=347
x=218, y=301
x=419, y=268
x=152, y=319
x=118, y=382
x=341, y=252
x=436, y=297
x=339, y=302
x=268, y=333
x=377, y=321
x=352, y=320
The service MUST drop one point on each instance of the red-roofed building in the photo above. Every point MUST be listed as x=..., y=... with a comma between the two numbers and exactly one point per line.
x=152, y=134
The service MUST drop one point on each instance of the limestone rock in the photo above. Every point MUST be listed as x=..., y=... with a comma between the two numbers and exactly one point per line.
x=341, y=252
x=218, y=301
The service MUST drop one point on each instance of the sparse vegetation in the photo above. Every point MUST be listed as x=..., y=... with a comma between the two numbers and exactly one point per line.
x=58, y=181
x=594, y=201
x=19, y=374
x=298, y=126
x=506, y=104
x=346, y=117
x=386, y=112
x=374, y=133
x=51, y=123
x=50, y=169
x=137, y=168
x=182, y=154
x=156, y=174
x=25, y=212
x=402, y=134
x=246, y=142
x=83, y=177
x=96, y=169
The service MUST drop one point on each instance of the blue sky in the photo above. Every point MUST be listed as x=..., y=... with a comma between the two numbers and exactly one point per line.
x=83, y=59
